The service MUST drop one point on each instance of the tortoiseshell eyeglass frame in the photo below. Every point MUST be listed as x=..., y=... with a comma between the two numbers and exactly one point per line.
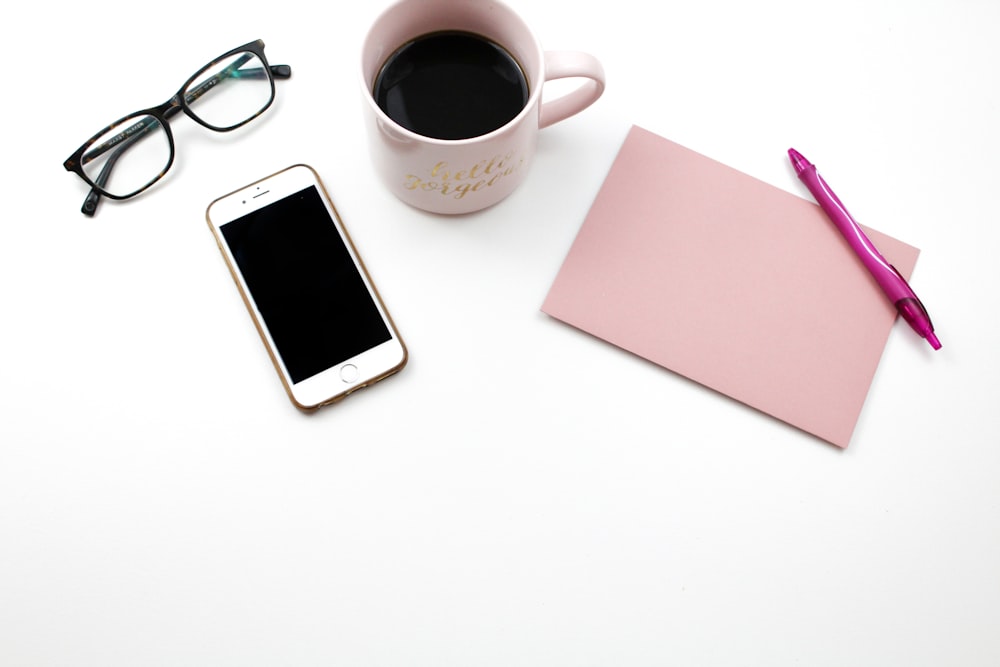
x=158, y=116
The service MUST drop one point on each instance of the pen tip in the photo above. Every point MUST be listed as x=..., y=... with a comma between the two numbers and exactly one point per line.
x=798, y=161
x=933, y=340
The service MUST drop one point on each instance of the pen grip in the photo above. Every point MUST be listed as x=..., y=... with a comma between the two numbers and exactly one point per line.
x=888, y=278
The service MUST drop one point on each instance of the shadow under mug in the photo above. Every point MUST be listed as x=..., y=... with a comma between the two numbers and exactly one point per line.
x=454, y=176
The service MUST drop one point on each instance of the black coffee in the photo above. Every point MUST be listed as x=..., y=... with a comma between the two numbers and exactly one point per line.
x=451, y=85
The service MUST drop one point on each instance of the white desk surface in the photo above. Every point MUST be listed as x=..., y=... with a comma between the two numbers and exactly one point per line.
x=522, y=494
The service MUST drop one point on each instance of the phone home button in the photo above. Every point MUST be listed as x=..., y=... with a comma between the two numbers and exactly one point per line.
x=349, y=373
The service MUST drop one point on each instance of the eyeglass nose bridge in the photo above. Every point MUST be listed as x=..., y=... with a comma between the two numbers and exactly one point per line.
x=171, y=107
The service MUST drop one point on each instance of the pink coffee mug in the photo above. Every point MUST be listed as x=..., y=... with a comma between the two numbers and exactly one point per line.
x=455, y=176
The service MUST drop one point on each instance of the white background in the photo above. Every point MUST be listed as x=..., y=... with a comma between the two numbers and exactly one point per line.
x=521, y=494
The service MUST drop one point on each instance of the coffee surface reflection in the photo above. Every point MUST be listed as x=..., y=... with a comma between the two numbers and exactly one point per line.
x=451, y=85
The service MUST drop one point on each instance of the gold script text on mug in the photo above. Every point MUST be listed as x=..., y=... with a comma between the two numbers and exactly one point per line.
x=483, y=174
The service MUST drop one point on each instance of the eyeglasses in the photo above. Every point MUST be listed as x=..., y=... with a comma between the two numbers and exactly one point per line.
x=134, y=152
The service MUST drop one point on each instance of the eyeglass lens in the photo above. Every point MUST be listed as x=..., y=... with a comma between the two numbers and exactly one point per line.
x=244, y=90
x=128, y=156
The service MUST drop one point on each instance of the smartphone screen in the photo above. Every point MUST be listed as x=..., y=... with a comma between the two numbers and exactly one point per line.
x=303, y=280
x=315, y=307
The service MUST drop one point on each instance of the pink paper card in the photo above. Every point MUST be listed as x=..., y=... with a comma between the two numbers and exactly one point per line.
x=731, y=282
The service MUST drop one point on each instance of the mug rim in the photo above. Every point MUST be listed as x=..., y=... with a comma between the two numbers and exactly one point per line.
x=534, y=89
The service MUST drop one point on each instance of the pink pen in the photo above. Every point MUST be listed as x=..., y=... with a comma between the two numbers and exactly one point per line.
x=885, y=274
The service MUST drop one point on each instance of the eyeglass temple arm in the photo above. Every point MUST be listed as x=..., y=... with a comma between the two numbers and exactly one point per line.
x=138, y=130
x=94, y=196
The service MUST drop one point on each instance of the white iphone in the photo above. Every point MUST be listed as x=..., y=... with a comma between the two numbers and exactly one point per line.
x=320, y=317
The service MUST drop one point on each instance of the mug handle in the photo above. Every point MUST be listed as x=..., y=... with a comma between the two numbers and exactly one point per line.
x=566, y=64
